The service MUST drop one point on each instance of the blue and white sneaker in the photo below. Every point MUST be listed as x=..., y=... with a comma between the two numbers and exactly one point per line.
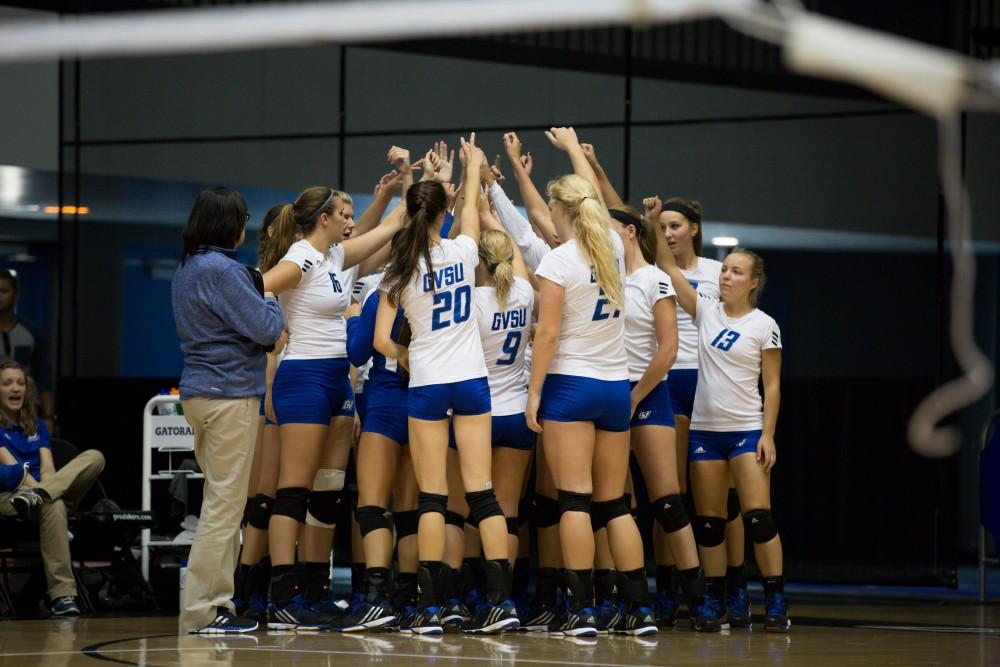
x=453, y=613
x=704, y=618
x=738, y=602
x=608, y=617
x=665, y=608
x=421, y=622
x=538, y=618
x=575, y=623
x=367, y=615
x=225, y=623
x=718, y=609
x=296, y=615
x=776, y=614
x=639, y=622
x=492, y=619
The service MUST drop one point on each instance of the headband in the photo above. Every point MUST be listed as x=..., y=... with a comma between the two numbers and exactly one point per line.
x=625, y=219
x=686, y=211
x=316, y=212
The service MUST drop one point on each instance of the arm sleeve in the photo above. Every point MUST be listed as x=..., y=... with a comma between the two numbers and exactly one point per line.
x=532, y=248
x=238, y=304
x=553, y=267
x=449, y=220
x=44, y=438
x=771, y=338
x=663, y=288
x=361, y=332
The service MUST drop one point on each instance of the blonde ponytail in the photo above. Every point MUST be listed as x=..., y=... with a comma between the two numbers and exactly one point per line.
x=590, y=225
x=496, y=251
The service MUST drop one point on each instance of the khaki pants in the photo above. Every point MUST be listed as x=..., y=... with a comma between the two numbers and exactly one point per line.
x=66, y=487
x=224, y=434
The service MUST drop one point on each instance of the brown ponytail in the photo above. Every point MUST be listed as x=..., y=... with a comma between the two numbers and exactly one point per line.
x=296, y=221
x=645, y=231
x=425, y=201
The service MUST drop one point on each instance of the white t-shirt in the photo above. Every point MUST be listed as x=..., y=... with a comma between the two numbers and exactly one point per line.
x=505, y=337
x=444, y=345
x=314, y=309
x=643, y=288
x=705, y=280
x=592, y=334
x=728, y=396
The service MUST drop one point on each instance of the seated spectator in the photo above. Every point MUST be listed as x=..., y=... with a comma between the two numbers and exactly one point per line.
x=44, y=494
x=22, y=341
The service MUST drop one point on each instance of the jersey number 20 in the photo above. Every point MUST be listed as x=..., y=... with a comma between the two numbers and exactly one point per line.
x=458, y=305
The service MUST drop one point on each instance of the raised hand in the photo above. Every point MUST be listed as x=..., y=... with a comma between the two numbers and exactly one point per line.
x=451, y=191
x=495, y=171
x=512, y=146
x=527, y=162
x=588, y=151
x=562, y=138
x=446, y=161
x=432, y=165
x=652, y=207
x=400, y=158
x=389, y=182
x=471, y=155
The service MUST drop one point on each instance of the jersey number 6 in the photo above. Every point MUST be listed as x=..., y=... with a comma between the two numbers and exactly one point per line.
x=459, y=305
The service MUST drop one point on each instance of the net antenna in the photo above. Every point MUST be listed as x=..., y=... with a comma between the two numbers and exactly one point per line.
x=937, y=82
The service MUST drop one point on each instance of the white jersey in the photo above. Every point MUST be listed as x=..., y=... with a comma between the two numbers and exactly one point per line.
x=445, y=345
x=728, y=397
x=643, y=288
x=592, y=334
x=364, y=286
x=705, y=280
x=505, y=337
x=314, y=309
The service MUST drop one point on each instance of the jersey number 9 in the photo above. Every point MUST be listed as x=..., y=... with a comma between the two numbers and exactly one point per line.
x=458, y=304
x=510, y=347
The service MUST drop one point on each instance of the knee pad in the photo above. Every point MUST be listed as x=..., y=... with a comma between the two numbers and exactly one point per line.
x=571, y=501
x=482, y=505
x=326, y=498
x=454, y=519
x=259, y=509
x=513, y=526
x=603, y=511
x=372, y=518
x=292, y=502
x=545, y=511
x=710, y=531
x=732, y=505
x=669, y=511
x=760, y=525
x=432, y=503
x=406, y=523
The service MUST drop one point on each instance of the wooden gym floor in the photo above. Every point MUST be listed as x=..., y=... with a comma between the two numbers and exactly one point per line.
x=831, y=634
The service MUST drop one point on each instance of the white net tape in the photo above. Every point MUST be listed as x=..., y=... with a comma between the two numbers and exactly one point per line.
x=931, y=80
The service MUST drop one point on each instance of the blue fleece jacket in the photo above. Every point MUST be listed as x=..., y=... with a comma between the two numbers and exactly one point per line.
x=222, y=322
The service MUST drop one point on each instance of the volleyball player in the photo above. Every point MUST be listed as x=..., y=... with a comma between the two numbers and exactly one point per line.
x=253, y=574
x=432, y=279
x=681, y=222
x=312, y=382
x=584, y=407
x=732, y=432
x=651, y=344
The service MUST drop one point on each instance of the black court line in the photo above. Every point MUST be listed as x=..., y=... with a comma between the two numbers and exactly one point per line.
x=94, y=650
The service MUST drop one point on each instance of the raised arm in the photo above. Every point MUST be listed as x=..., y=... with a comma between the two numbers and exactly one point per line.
x=687, y=297
x=534, y=203
x=384, y=190
x=364, y=247
x=472, y=159
x=564, y=138
x=489, y=221
x=608, y=191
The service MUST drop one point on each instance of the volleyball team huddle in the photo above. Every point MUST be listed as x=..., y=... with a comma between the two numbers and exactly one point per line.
x=460, y=345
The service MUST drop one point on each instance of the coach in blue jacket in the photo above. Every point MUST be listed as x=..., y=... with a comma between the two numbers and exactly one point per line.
x=224, y=322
